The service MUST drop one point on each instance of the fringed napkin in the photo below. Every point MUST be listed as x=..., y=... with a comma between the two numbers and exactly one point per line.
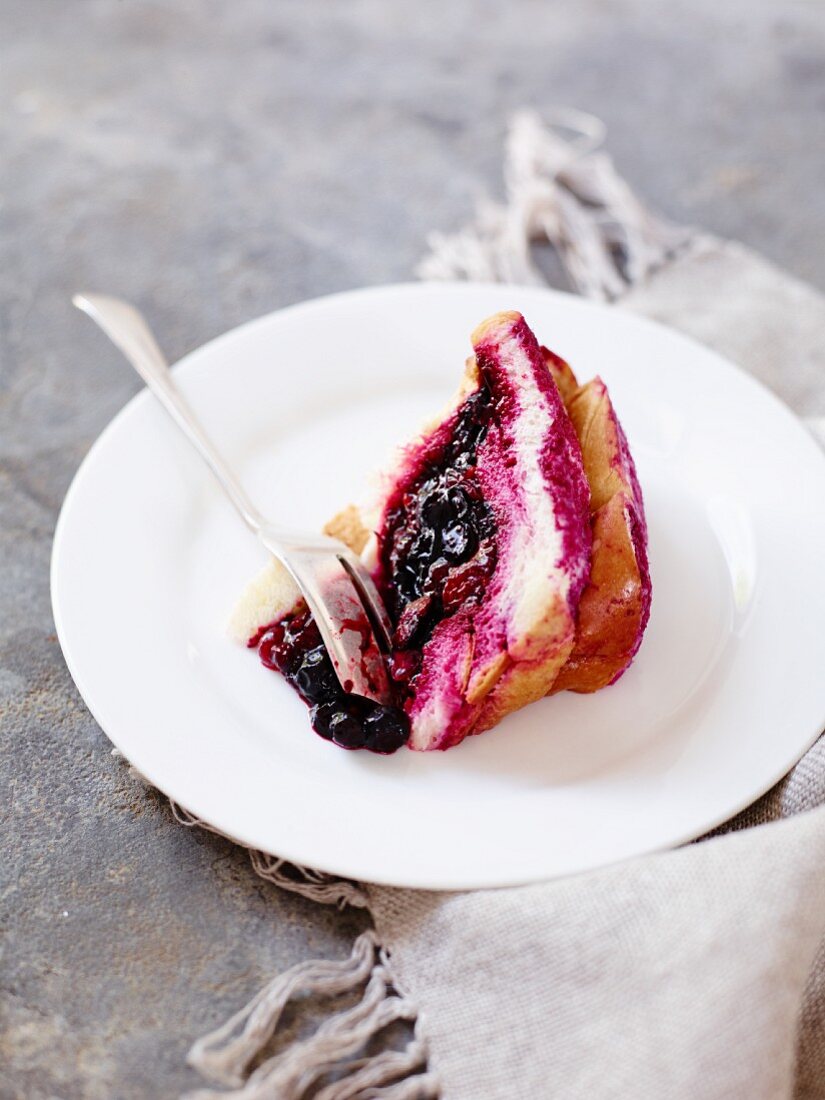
x=693, y=973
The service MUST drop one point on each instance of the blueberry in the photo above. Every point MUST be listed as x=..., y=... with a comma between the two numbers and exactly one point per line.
x=436, y=508
x=268, y=645
x=357, y=706
x=423, y=547
x=458, y=541
x=302, y=633
x=321, y=717
x=347, y=730
x=445, y=507
x=286, y=657
x=408, y=581
x=459, y=503
x=315, y=677
x=386, y=729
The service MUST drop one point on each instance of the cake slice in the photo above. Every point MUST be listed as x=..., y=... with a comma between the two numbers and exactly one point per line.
x=479, y=542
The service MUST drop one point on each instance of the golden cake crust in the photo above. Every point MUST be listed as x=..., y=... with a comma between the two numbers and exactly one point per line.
x=612, y=608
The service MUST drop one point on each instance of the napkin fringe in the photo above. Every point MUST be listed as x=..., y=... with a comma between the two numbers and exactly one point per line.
x=225, y=1055
x=559, y=191
x=315, y=885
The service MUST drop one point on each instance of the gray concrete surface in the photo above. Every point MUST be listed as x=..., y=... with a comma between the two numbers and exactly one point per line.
x=213, y=161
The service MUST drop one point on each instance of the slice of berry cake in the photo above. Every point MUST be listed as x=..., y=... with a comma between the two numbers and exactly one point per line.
x=480, y=543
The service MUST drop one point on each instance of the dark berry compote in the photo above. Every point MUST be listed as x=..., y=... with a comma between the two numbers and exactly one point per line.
x=437, y=553
x=438, y=546
x=293, y=646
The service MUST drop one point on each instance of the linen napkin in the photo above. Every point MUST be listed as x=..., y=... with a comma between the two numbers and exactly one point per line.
x=693, y=973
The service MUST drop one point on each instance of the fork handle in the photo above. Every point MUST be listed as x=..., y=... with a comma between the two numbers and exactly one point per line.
x=127, y=329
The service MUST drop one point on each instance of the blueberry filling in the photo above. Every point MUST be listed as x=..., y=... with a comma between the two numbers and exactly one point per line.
x=438, y=552
x=293, y=646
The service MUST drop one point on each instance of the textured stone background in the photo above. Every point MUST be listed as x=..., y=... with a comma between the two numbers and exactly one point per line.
x=212, y=161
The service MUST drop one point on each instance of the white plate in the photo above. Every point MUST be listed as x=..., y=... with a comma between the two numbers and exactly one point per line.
x=726, y=693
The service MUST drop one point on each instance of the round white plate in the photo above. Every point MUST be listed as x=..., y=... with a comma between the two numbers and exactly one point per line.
x=727, y=690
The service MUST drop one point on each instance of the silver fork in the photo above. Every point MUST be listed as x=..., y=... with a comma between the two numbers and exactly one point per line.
x=337, y=588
